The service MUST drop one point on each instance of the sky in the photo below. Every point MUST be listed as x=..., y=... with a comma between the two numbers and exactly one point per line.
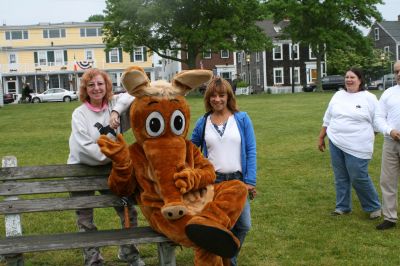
x=29, y=12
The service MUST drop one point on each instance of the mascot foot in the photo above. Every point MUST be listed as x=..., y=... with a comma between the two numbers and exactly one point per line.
x=212, y=237
x=173, y=211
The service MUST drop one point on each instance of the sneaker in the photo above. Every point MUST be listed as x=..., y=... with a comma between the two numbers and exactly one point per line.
x=375, y=214
x=339, y=212
x=385, y=225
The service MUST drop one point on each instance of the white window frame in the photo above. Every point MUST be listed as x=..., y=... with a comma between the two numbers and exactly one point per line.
x=296, y=47
x=59, y=57
x=258, y=76
x=83, y=32
x=138, y=54
x=257, y=56
x=42, y=58
x=207, y=55
x=310, y=53
x=113, y=54
x=386, y=50
x=296, y=70
x=226, y=55
x=276, y=69
x=275, y=52
x=61, y=33
x=24, y=35
x=89, y=52
x=376, y=34
x=12, y=58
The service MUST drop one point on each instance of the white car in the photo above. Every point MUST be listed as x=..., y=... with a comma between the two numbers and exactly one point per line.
x=54, y=95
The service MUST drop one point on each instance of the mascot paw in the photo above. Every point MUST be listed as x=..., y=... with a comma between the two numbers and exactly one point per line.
x=212, y=237
x=173, y=211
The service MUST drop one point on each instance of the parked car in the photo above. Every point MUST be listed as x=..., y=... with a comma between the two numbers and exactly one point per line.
x=383, y=83
x=54, y=95
x=333, y=82
x=8, y=98
x=118, y=89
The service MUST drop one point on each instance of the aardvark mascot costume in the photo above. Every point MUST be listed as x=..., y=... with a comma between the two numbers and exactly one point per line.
x=173, y=182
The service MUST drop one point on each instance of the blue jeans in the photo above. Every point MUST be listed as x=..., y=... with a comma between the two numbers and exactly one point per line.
x=243, y=224
x=352, y=171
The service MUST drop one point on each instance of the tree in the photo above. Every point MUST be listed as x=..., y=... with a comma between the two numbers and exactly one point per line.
x=374, y=64
x=326, y=25
x=95, y=18
x=186, y=26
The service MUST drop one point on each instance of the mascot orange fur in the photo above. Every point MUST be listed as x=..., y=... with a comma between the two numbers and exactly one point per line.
x=174, y=182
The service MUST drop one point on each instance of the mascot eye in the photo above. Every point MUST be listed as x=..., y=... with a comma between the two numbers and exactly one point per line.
x=155, y=124
x=177, y=122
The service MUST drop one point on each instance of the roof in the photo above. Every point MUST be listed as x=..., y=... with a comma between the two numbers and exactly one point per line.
x=392, y=28
x=272, y=30
x=42, y=25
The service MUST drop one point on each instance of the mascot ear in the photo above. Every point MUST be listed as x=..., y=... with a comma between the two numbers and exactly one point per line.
x=135, y=80
x=191, y=79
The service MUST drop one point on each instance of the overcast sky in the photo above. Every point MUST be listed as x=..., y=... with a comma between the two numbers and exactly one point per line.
x=28, y=12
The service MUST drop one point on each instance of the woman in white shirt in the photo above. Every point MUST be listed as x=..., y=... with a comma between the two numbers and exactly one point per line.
x=348, y=122
x=98, y=115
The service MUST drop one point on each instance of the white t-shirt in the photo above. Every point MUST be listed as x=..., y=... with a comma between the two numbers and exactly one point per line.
x=86, y=126
x=387, y=116
x=224, y=151
x=349, y=119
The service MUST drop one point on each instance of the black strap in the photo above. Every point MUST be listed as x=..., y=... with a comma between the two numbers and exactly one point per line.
x=204, y=130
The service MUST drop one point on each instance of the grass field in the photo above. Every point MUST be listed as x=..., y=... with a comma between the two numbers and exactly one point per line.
x=291, y=214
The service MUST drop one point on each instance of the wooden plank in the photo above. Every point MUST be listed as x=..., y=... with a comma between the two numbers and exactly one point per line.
x=50, y=171
x=53, y=186
x=58, y=204
x=23, y=244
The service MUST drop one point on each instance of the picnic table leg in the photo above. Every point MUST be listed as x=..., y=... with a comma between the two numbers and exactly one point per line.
x=166, y=254
x=12, y=221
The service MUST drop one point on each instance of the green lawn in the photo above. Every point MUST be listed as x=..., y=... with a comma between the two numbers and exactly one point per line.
x=291, y=214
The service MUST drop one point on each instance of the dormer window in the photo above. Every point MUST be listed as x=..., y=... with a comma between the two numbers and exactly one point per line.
x=277, y=28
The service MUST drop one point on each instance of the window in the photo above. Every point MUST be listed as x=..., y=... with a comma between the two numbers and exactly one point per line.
x=90, y=32
x=50, y=58
x=278, y=76
x=311, y=53
x=207, y=55
x=258, y=77
x=376, y=34
x=53, y=33
x=386, y=50
x=42, y=58
x=114, y=55
x=17, y=35
x=296, y=75
x=224, y=54
x=12, y=58
x=277, y=52
x=257, y=56
x=138, y=54
x=59, y=57
x=294, y=51
x=225, y=75
x=89, y=54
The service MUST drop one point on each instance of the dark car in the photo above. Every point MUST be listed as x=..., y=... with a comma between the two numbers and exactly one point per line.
x=333, y=82
x=8, y=98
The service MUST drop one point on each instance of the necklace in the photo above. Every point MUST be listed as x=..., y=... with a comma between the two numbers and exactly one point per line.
x=222, y=130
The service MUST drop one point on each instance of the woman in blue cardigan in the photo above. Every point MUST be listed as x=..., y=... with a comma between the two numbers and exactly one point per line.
x=226, y=137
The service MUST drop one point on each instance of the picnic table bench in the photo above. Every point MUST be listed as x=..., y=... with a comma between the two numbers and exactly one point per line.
x=55, y=182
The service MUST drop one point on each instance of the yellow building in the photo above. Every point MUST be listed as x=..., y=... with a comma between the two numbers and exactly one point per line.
x=49, y=55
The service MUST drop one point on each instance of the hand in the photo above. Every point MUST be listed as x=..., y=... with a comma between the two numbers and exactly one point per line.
x=184, y=179
x=321, y=144
x=251, y=191
x=114, y=120
x=395, y=134
x=117, y=151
